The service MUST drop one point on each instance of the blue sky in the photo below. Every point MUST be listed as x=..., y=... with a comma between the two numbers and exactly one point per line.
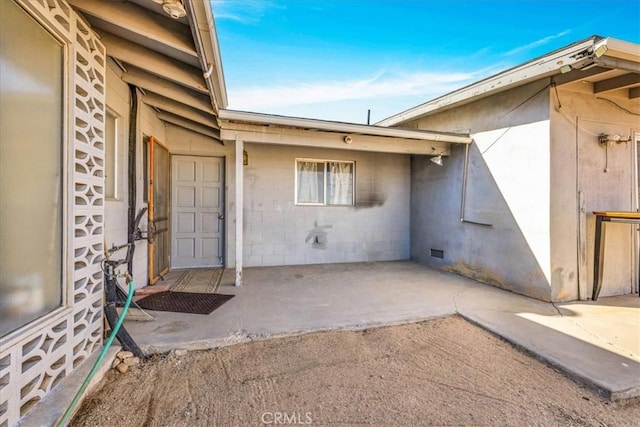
x=334, y=60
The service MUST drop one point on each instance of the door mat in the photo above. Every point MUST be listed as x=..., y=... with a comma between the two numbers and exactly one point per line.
x=183, y=302
x=199, y=280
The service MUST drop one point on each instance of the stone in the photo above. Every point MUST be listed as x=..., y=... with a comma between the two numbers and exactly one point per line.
x=115, y=363
x=124, y=355
x=122, y=368
x=131, y=361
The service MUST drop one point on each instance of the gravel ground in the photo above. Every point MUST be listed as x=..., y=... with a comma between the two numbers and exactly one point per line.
x=441, y=372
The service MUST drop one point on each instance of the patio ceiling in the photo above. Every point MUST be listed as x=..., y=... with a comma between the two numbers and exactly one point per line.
x=175, y=62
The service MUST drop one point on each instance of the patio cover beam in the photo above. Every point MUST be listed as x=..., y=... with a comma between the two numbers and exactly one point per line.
x=243, y=117
x=336, y=140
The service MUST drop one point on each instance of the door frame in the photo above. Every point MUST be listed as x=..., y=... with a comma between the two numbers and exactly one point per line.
x=223, y=196
x=150, y=212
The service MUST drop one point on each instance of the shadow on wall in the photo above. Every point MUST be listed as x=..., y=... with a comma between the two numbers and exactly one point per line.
x=496, y=253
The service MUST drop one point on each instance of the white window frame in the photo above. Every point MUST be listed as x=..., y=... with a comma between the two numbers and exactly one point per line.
x=324, y=187
x=113, y=169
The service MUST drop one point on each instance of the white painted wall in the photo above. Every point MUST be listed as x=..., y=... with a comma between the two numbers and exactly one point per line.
x=275, y=229
x=578, y=165
x=508, y=187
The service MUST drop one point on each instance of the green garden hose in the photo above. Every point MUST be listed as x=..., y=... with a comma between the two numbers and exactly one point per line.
x=64, y=421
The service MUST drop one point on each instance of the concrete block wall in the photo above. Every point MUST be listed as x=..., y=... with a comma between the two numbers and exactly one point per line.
x=277, y=232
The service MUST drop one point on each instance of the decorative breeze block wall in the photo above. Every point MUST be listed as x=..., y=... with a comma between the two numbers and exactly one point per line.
x=36, y=358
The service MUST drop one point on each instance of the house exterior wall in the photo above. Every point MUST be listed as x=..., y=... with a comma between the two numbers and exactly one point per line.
x=277, y=232
x=36, y=357
x=578, y=172
x=505, y=239
x=116, y=209
x=118, y=101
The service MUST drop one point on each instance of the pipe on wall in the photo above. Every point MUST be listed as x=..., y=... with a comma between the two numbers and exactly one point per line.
x=133, y=139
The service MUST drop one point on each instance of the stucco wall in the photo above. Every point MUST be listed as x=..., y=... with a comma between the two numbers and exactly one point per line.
x=275, y=229
x=578, y=166
x=507, y=189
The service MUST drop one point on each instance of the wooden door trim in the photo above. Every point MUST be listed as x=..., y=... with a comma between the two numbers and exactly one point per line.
x=151, y=211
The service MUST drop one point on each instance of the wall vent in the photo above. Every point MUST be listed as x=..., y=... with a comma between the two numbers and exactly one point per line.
x=437, y=253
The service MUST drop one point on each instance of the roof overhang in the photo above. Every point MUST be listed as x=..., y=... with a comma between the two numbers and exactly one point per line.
x=283, y=130
x=175, y=63
x=610, y=64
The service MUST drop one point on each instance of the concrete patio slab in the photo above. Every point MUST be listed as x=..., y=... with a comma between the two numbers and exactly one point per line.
x=597, y=343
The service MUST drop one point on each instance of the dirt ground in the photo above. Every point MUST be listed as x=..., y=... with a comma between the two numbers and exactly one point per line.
x=441, y=372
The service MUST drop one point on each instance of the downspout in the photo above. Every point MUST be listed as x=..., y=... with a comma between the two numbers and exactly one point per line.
x=133, y=138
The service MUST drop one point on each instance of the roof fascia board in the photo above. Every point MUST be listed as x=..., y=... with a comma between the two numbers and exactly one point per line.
x=260, y=134
x=204, y=33
x=347, y=128
x=536, y=69
x=619, y=49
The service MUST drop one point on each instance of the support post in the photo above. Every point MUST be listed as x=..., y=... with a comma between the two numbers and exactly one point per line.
x=239, y=208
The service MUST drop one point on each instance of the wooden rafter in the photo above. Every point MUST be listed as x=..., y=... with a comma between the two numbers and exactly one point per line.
x=179, y=109
x=163, y=87
x=154, y=62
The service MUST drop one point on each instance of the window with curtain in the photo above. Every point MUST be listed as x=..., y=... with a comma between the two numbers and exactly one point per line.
x=324, y=182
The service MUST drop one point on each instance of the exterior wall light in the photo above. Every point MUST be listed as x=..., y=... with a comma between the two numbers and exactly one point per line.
x=437, y=160
x=173, y=8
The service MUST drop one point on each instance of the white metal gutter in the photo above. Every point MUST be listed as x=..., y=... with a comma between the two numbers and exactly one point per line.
x=204, y=33
x=349, y=128
x=576, y=55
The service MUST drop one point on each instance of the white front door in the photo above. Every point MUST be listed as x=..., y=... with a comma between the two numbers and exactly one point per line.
x=197, y=185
